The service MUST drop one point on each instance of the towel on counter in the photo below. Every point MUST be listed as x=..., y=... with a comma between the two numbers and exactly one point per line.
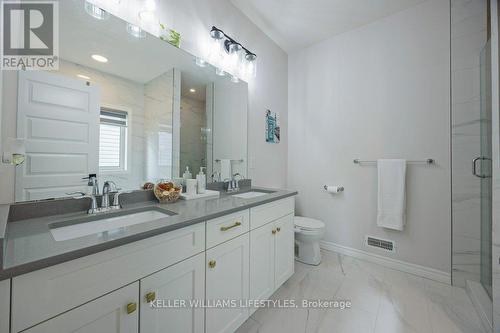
x=391, y=212
x=225, y=169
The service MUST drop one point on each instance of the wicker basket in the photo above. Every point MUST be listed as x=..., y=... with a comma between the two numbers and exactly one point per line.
x=167, y=196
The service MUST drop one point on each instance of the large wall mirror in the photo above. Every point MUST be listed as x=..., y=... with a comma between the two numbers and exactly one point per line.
x=129, y=109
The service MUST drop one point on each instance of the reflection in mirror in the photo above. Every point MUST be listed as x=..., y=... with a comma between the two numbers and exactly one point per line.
x=131, y=110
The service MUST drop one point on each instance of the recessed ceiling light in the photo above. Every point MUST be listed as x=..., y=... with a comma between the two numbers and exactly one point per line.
x=192, y=90
x=85, y=77
x=99, y=58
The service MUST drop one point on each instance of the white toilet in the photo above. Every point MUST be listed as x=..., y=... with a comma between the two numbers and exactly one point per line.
x=308, y=233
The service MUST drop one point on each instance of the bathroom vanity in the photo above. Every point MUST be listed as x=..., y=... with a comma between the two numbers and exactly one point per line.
x=135, y=278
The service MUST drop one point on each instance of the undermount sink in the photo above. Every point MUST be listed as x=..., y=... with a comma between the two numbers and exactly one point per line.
x=250, y=195
x=67, y=230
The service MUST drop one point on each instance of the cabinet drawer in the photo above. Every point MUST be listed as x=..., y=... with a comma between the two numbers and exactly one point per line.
x=43, y=294
x=227, y=227
x=264, y=214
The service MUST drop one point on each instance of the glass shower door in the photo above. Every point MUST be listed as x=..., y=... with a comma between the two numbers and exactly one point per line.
x=485, y=170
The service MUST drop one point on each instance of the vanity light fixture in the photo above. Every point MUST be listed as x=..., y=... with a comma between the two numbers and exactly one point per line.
x=192, y=90
x=246, y=65
x=95, y=11
x=85, y=77
x=99, y=58
x=135, y=31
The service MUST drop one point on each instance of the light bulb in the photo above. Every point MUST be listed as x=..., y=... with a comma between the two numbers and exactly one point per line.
x=135, y=31
x=96, y=12
x=220, y=72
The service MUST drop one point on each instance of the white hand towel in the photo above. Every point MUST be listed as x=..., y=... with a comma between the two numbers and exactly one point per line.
x=391, y=211
x=225, y=169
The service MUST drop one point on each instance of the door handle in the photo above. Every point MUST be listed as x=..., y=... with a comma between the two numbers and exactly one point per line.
x=474, y=164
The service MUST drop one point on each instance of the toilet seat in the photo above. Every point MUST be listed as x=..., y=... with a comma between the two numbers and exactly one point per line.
x=308, y=224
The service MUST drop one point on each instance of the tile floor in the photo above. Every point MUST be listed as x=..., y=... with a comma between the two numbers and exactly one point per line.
x=383, y=300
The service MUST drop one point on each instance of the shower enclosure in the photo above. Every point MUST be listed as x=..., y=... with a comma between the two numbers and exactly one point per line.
x=471, y=147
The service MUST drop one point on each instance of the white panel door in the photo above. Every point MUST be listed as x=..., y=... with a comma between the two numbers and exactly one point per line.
x=284, y=250
x=58, y=117
x=227, y=280
x=112, y=313
x=184, y=281
x=262, y=262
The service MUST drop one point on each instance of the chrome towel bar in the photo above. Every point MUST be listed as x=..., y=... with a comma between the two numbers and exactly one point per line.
x=427, y=161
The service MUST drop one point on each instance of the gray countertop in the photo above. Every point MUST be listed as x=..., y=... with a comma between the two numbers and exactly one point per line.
x=28, y=244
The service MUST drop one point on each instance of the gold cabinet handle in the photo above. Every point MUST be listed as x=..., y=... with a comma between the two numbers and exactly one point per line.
x=151, y=296
x=131, y=307
x=273, y=232
x=236, y=224
x=278, y=229
x=212, y=263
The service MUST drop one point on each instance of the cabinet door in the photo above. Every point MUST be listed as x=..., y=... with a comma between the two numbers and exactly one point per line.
x=4, y=306
x=284, y=250
x=116, y=312
x=227, y=280
x=262, y=262
x=182, y=283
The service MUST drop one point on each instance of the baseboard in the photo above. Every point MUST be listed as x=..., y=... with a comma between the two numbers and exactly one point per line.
x=426, y=272
x=482, y=303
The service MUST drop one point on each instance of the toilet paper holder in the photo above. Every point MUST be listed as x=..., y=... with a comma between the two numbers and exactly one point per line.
x=340, y=188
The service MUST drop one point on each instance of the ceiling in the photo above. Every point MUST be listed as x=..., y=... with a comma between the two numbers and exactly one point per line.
x=295, y=24
x=138, y=60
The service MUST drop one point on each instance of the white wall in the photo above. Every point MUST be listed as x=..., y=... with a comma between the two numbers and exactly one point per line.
x=194, y=19
x=380, y=91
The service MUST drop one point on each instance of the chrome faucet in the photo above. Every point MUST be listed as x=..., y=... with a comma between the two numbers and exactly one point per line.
x=233, y=185
x=108, y=187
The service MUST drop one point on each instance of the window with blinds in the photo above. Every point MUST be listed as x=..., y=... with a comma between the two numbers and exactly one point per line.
x=113, y=140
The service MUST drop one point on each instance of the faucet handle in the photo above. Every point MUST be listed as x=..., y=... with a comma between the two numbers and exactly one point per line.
x=80, y=193
x=116, y=199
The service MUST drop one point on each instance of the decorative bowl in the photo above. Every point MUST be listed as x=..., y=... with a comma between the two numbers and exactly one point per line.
x=167, y=192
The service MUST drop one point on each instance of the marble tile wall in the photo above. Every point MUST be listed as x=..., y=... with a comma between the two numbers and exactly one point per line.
x=468, y=37
x=193, y=151
x=158, y=106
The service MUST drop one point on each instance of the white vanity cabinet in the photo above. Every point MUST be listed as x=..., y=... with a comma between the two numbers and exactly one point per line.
x=167, y=290
x=271, y=257
x=150, y=286
x=116, y=312
x=227, y=279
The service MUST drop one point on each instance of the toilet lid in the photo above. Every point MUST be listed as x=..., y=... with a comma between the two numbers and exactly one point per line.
x=308, y=223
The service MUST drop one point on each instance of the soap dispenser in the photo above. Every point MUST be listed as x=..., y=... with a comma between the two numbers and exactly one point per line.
x=201, y=179
x=187, y=174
